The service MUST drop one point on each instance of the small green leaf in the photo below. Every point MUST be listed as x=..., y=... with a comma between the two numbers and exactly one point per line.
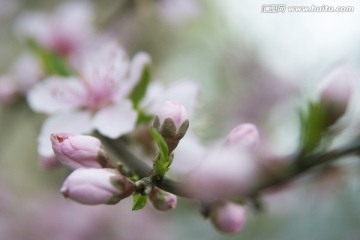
x=162, y=161
x=140, y=89
x=313, y=127
x=139, y=202
x=52, y=63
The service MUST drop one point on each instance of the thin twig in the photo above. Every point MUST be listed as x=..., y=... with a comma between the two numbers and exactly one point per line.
x=294, y=171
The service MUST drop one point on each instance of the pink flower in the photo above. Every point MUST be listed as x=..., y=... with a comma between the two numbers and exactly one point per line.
x=96, y=186
x=64, y=31
x=95, y=100
x=79, y=151
x=162, y=200
x=227, y=216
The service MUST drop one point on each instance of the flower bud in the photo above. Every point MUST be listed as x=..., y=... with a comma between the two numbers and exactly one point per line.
x=335, y=92
x=172, y=123
x=227, y=216
x=162, y=200
x=79, y=151
x=245, y=135
x=97, y=186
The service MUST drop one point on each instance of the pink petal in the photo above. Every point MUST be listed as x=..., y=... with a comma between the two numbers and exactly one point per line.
x=72, y=122
x=56, y=94
x=116, y=120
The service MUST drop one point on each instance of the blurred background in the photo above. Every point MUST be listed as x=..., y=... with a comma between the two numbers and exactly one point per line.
x=251, y=66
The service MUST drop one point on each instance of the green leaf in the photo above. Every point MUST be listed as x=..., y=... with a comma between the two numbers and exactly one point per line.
x=313, y=127
x=139, y=202
x=52, y=63
x=140, y=89
x=162, y=162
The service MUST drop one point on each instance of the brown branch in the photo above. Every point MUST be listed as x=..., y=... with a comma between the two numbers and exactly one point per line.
x=292, y=172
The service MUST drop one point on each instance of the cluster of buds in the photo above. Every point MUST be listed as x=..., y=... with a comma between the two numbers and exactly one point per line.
x=93, y=181
x=172, y=123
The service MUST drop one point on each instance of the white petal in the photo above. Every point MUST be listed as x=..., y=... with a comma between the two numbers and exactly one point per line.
x=71, y=122
x=116, y=120
x=137, y=66
x=152, y=101
x=185, y=92
x=56, y=94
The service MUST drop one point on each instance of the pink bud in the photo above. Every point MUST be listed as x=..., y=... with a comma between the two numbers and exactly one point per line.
x=227, y=216
x=96, y=186
x=162, y=200
x=172, y=123
x=335, y=91
x=174, y=111
x=245, y=135
x=79, y=151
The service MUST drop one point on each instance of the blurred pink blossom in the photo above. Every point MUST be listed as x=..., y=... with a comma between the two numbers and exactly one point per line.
x=227, y=216
x=245, y=135
x=64, y=31
x=25, y=72
x=226, y=169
